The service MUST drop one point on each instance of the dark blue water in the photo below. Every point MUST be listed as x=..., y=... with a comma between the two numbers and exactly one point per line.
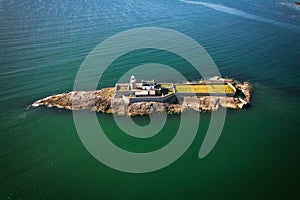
x=42, y=45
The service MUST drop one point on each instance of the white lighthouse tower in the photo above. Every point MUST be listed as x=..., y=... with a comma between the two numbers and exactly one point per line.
x=132, y=83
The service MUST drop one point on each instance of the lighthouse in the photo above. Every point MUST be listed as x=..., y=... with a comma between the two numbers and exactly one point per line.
x=132, y=83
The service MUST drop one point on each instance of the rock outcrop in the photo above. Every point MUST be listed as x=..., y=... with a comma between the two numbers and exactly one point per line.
x=99, y=100
x=103, y=101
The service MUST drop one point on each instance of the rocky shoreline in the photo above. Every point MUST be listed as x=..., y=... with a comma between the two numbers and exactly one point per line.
x=103, y=101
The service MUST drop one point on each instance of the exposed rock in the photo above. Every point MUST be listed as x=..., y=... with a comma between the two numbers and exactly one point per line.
x=174, y=108
x=103, y=101
x=228, y=102
x=119, y=106
x=191, y=103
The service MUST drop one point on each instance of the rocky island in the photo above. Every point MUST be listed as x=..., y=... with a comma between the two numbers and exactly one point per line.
x=148, y=97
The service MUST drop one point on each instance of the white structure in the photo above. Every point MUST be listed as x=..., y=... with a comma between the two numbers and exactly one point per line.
x=132, y=83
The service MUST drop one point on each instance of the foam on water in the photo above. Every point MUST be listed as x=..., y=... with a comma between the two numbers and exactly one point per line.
x=243, y=14
x=291, y=5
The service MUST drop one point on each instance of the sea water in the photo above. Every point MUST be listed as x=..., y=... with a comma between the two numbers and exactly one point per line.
x=43, y=44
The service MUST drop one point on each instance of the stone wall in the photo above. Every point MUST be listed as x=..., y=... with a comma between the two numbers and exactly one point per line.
x=167, y=98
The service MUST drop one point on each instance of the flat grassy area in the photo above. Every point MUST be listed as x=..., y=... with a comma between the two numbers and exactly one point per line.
x=166, y=85
x=122, y=88
x=204, y=89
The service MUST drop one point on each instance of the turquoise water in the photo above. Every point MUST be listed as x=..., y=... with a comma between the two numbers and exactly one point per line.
x=43, y=44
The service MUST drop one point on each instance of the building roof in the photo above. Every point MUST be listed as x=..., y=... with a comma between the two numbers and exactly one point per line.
x=148, y=83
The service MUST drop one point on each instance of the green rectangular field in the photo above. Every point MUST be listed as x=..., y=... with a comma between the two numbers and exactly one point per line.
x=185, y=88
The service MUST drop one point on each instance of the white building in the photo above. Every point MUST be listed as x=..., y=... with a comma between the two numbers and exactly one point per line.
x=132, y=83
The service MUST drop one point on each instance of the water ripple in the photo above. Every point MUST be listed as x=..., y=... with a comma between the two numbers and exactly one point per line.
x=243, y=14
